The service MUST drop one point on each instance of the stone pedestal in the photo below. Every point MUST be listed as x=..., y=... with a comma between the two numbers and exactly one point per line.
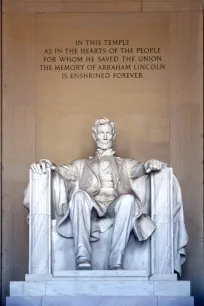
x=93, y=288
x=100, y=301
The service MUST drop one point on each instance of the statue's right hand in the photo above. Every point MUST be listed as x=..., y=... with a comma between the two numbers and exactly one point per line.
x=42, y=166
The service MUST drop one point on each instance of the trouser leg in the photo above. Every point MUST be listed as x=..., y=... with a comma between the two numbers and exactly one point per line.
x=80, y=215
x=81, y=210
x=124, y=208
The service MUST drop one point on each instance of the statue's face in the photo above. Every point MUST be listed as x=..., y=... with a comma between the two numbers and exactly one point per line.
x=104, y=136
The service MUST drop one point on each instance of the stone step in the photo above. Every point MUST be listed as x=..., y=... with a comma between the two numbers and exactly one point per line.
x=98, y=275
x=104, y=287
x=100, y=301
x=101, y=273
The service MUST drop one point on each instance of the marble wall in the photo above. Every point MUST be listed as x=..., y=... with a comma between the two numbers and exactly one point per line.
x=45, y=115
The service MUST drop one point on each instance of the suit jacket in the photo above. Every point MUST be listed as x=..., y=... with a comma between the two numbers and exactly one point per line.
x=85, y=173
x=82, y=174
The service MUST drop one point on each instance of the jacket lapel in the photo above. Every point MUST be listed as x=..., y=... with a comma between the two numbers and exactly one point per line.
x=93, y=165
x=117, y=163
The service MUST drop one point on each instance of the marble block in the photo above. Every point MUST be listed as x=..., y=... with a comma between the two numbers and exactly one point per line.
x=104, y=287
x=98, y=285
x=175, y=301
x=37, y=277
x=162, y=257
x=24, y=301
x=100, y=301
x=40, y=223
x=172, y=288
x=17, y=288
x=102, y=275
x=163, y=277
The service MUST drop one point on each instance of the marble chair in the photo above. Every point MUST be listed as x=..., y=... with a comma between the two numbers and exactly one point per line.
x=49, y=252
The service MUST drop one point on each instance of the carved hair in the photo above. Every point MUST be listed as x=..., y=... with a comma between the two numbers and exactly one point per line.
x=103, y=121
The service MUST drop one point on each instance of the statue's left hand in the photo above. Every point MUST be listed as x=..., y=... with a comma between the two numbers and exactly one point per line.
x=153, y=165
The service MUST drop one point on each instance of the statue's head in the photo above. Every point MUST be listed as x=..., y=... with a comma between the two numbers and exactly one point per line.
x=104, y=133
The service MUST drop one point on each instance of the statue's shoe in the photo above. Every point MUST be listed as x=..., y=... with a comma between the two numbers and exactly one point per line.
x=84, y=266
x=115, y=267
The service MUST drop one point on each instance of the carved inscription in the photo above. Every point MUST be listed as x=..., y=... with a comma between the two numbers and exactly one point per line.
x=102, y=59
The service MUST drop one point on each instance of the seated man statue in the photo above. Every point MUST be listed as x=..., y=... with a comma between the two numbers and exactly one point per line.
x=96, y=188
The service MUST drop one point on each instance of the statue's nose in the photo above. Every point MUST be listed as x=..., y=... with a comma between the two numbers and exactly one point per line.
x=105, y=136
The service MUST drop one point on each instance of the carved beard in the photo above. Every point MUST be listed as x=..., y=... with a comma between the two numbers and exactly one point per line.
x=104, y=146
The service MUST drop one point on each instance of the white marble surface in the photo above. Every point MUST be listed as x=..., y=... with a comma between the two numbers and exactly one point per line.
x=99, y=301
x=34, y=288
x=103, y=288
x=172, y=288
x=162, y=256
x=175, y=301
x=37, y=277
x=163, y=277
x=40, y=223
x=17, y=288
x=100, y=287
x=102, y=273
x=25, y=301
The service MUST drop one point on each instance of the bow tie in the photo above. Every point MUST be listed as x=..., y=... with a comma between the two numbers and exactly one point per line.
x=100, y=153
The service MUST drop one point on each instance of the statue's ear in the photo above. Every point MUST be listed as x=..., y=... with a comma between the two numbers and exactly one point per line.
x=114, y=136
x=94, y=135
